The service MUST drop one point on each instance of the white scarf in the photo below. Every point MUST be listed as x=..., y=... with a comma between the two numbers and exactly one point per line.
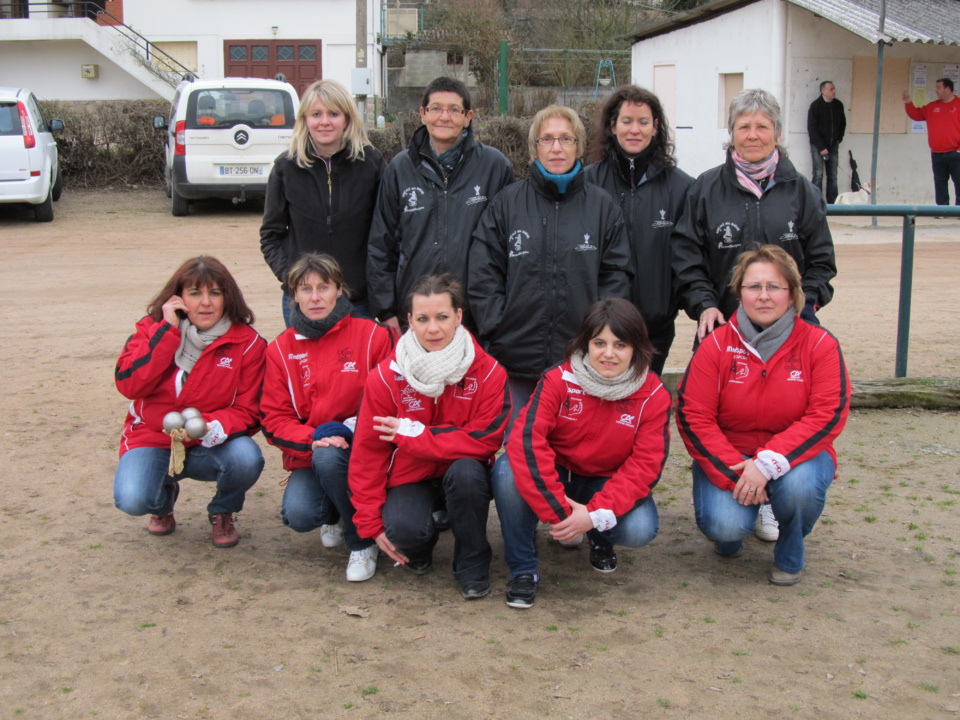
x=193, y=342
x=429, y=372
x=593, y=383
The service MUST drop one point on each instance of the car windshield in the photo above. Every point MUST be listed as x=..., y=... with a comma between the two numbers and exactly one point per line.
x=9, y=119
x=226, y=107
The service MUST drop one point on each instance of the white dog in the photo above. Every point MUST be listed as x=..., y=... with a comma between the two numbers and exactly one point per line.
x=860, y=197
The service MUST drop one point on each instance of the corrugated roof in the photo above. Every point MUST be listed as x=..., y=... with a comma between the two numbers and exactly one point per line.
x=925, y=21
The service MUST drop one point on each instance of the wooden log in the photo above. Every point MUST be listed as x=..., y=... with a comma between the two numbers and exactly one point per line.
x=940, y=393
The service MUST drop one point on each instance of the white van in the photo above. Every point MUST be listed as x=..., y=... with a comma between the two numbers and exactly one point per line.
x=223, y=136
x=29, y=162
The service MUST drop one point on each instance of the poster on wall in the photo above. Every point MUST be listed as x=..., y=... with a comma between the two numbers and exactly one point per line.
x=952, y=72
x=919, y=96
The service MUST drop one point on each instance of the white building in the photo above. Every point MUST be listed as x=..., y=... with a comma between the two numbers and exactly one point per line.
x=70, y=51
x=698, y=61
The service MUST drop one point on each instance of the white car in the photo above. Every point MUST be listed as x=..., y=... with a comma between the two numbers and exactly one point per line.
x=29, y=164
x=223, y=136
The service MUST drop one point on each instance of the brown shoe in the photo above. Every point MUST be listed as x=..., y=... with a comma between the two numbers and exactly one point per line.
x=164, y=524
x=224, y=533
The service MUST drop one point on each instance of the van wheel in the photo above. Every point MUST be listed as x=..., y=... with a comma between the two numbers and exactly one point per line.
x=58, y=185
x=179, y=205
x=44, y=211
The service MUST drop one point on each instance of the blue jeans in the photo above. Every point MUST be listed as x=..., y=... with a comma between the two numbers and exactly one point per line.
x=319, y=495
x=361, y=309
x=797, y=500
x=946, y=166
x=832, y=161
x=141, y=485
x=408, y=518
x=518, y=522
x=520, y=391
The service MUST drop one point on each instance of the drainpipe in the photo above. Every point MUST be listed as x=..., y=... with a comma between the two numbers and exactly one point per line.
x=876, y=110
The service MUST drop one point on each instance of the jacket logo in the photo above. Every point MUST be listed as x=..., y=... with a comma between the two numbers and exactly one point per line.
x=790, y=234
x=349, y=367
x=516, y=238
x=726, y=233
x=412, y=196
x=477, y=197
x=626, y=419
x=662, y=222
x=466, y=388
x=409, y=397
x=585, y=245
x=739, y=370
x=226, y=362
x=795, y=376
x=571, y=407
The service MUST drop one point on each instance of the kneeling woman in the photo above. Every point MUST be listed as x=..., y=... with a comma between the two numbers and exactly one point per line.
x=194, y=349
x=587, y=449
x=432, y=417
x=311, y=392
x=760, y=405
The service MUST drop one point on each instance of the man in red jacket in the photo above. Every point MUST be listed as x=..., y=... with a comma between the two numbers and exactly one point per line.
x=943, y=134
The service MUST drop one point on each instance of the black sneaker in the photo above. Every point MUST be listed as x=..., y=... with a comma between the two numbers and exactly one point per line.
x=420, y=567
x=603, y=558
x=475, y=589
x=521, y=591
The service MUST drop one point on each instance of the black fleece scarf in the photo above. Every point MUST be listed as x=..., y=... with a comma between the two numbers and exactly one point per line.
x=316, y=329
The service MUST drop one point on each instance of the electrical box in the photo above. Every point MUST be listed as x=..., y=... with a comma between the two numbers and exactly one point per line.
x=89, y=71
x=361, y=81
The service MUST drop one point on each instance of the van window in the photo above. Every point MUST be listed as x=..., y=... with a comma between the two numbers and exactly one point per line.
x=9, y=119
x=226, y=107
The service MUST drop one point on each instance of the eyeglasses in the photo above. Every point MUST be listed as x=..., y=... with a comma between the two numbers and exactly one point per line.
x=564, y=141
x=771, y=288
x=437, y=111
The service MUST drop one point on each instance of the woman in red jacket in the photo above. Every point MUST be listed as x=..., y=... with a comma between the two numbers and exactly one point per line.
x=585, y=452
x=311, y=392
x=760, y=405
x=432, y=417
x=194, y=349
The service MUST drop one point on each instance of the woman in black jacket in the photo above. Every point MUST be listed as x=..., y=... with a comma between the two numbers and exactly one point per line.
x=632, y=159
x=322, y=191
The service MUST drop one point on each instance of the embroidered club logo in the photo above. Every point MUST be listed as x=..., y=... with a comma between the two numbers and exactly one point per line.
x=412, y=197
x=728, y=233
x=345, y=356
x=585, y=245
x=625, y=405
x=571, y=408
x=466, y=388
x=790, y=235
x=795, y=368
x=626, y=419
x=476, y=197
x=226, y=362
x=739, y=370
x=410, y=399
x=304, y=373
x=516, y=240
x=662, y=222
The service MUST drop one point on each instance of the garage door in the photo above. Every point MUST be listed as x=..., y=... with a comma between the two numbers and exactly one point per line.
x=298, y=60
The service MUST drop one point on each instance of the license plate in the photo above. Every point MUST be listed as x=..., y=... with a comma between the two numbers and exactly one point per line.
x=241, y=170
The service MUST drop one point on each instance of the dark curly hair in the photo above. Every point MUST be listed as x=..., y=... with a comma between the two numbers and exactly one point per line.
x=603, y=143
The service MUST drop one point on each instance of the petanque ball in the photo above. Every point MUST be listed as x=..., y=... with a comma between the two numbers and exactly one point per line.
x=196, y=427
x=172, y=421
x=191, y=413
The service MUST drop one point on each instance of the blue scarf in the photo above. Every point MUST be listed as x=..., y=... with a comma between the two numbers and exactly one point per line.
x=561, y=181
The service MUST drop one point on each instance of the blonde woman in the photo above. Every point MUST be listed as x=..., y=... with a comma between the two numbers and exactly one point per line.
x=322, y=191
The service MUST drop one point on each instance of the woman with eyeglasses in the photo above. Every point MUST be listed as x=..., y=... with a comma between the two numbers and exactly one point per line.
x=755, y=198
x=545, y=250
x=759, y=407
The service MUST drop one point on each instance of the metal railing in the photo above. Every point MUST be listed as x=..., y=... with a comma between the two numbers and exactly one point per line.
x=150, y=56
x=909, y=213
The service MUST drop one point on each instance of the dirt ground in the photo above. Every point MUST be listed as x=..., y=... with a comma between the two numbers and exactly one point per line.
x=100, y=620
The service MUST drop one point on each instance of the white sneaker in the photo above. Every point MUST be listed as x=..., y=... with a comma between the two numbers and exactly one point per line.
x=767, y=529
x=331, y=535
x=362, y=564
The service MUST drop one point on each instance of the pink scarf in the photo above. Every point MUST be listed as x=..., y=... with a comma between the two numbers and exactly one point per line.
x=749, y=174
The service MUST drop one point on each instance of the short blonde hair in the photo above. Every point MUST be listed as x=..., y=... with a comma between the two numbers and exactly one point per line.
x=564, y=113
x=323, y=265
x=781, y=260
x=334, y=96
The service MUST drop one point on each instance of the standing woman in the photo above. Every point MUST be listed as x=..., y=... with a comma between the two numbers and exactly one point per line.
x=759, y=408
x=632, y=159
x=432, y=418
x=194, y=349
x=311, y=393
x=544, y=251
x=586, y=451
x=322, y=191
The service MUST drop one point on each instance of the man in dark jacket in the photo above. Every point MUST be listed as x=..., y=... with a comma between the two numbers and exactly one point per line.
x=826, y=123
x=431, y=198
